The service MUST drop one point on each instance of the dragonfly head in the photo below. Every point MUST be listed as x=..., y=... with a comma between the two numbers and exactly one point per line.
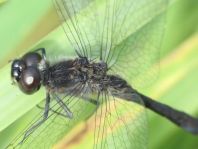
x=25, y=72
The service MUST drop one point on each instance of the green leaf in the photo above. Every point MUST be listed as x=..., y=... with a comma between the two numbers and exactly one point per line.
x=15, y=104
x=33, y=20
x=177, y=87
x=2, y=1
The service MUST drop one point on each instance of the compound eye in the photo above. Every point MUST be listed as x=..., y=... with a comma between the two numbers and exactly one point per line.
x=30, y=80
x=32, y=59
x=17, y=67
x=18, y=64
x=15, y=73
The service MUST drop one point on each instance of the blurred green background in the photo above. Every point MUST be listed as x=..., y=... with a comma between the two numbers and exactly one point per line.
x=23, y=23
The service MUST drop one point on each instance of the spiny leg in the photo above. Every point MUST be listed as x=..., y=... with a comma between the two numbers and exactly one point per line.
x=64, y=107
x=44, y=60
x=43, y=53
x=92, y=101
x=51, y=110
x=38, y=123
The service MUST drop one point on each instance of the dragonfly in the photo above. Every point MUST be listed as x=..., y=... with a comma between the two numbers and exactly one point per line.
x=112, y=43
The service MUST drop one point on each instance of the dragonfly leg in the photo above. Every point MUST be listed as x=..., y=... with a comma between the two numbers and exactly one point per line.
x=92, y=101
x=51, y=110
x=64, y=106
x=38, y=123
x=43, y=53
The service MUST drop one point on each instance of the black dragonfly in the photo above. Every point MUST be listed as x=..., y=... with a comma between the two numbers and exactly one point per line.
x=113, y=43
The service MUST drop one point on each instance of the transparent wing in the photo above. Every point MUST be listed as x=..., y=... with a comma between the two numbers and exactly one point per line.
x=74, y=14
x=139, y=61
x=56, y=126
x=119, y=124
x=124, y=33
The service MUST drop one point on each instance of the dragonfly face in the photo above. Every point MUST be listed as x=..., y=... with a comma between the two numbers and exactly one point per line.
x=25, y=72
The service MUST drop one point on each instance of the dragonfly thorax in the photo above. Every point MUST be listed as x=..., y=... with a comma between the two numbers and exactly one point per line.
x=97, y=70
x=67, y=74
